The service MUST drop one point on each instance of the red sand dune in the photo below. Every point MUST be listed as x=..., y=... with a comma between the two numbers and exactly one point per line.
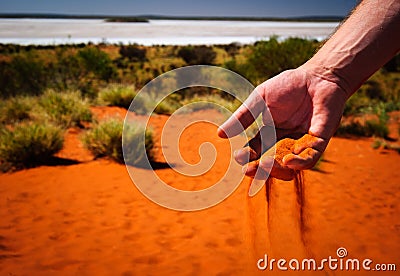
x=89, y=218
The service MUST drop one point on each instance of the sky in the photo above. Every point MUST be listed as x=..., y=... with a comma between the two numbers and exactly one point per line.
x=262, y=8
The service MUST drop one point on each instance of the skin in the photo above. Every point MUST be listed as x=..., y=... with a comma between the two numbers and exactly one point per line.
x=310, y=99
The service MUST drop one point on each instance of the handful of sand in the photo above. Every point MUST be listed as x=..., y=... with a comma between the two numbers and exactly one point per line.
x=286, y=149
x=275, y=158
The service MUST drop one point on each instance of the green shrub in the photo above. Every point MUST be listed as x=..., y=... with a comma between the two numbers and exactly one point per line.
x=133, y=53
x=67, y=72
x=376, y=128
x=380, y=143
x=193, y=55
x=117, y=95
x=97, y=62
x=133, y=140
x=231, y=49
x=266, y=59
x=16, y=109
x=370, y=128
x=353, y=128
x=65, y=109
x=23, y=74
x=34, y=70
x=358, y=103
x=105, y=139
x=167, y=107
x=377, y=143
x=29, y=145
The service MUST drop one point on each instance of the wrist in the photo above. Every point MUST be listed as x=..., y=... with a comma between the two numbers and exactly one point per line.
x=330, y=73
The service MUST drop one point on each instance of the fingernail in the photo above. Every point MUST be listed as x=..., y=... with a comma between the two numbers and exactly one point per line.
x=241, y=156
x=266, y=162
x=221, y=133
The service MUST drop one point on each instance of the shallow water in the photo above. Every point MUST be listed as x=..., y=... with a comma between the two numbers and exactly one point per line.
x=169, y=32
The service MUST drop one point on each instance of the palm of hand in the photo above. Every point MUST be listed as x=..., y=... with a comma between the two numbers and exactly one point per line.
x=298, y=103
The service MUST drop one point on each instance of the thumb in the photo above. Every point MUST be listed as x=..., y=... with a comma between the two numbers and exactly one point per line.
x=244, y=116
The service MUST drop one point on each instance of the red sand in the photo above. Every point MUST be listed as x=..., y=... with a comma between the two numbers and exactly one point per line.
x=286, y=147
x=89, y=219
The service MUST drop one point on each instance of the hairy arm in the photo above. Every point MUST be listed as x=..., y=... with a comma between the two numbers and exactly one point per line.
x=310, y=99
x=362, y=44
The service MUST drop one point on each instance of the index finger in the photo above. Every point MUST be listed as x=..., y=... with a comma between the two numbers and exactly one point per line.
x=244, y=116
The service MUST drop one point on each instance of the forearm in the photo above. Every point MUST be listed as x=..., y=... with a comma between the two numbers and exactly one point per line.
x=363, y=44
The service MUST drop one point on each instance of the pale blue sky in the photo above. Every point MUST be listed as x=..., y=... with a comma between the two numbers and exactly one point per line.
x=278, y=8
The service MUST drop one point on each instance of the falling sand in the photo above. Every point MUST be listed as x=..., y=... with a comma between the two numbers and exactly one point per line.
x=282, y=148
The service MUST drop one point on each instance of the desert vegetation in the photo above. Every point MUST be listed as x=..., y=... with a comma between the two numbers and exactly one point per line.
x=105, y=138
x=45, y=90
x=28, y=145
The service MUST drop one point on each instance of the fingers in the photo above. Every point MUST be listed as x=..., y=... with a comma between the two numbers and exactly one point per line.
x=303, y=161
x=259, y=169
x=253, y=170
x=306, y=152
x=267, y=167
x=310, y=141
x=244, y=116
x=275, y=167
x=263, y=140
x=285, y=158
x=245, y=155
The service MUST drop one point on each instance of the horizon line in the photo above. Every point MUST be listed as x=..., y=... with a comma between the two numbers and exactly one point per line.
x=171, y=17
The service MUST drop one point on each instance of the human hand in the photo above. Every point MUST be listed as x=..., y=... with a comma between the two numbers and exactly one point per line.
x=299, y=103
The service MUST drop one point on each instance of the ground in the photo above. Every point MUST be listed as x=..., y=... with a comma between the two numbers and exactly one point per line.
x=88, y=218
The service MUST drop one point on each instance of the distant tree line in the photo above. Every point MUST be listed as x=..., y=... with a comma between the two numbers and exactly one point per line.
x=30, y=70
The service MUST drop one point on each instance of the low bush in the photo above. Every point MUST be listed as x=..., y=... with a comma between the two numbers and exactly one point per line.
x=166, y=107
x=383, y=144
x=97, y=62
x=193, y=55
x=370, y=128
x=28, y=145
x=64, y=109
x=266, y=59
x=358, y=103
x=133, y=141
x=377, y=143
x=16, y=109
x=117, y=95
x=22, y=74
x=33, y=70
x=105, y=139
x=376, y=128
x=133, y=53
